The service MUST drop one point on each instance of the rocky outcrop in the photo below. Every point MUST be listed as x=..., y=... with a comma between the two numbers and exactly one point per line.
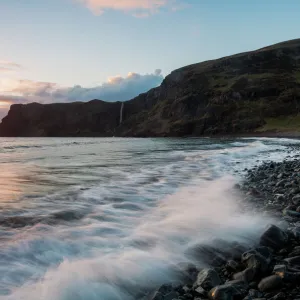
x=234, y=94
x=269, y=269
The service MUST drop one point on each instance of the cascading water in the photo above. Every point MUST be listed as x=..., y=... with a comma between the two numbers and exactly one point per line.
x=121, y=112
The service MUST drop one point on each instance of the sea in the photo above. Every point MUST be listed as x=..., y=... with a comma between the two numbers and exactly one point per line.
x=111, y=218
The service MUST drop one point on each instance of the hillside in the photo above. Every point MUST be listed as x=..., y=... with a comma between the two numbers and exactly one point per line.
x=244, y=93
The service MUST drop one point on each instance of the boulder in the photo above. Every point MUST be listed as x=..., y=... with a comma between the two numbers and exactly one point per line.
x=186, y=272
x=232, y=265
x=255, y=261
x=200, y=291
x=296, y=232
x=156, y=296
x=228, y=291
x=287, y=273
x=172, y=295
x=274, y=238
x=279, y=296
x=265, y=252
x=291, y=213
x=270, y=283
x=296, y=199
x=165, y=288
x=207, y=279
x=293, y=260
x=247, y=275
x=295, y=252
x=253, y=294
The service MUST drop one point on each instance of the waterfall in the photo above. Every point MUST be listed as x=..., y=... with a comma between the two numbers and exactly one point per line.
x=121, y=112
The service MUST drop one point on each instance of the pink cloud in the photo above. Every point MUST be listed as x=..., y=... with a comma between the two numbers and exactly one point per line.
x=28, y=87
x=9, y=66
x=116, y=88
x=139, y=8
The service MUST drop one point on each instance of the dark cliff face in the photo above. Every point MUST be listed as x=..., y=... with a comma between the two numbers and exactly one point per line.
x=63, y=119
x=235, y=94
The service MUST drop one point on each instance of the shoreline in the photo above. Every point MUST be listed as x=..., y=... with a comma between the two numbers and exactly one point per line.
x=257, y=134
x=271, y=270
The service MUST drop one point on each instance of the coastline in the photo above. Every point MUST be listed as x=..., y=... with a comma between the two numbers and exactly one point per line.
x=270, y=269
x=265, y=134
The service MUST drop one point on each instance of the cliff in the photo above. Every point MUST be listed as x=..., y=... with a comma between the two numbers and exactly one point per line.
x=242, y=93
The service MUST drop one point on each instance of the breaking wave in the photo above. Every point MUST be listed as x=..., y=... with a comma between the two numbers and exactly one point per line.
x=125, y=219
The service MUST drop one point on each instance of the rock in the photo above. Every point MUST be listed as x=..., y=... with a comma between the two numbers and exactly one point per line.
x=252, y=285
x=170, y=296
x=165, y=288
x=283, y=225
x=279, y=197
x=278, y=269
x=296, y=232
x=293, y=260
x=254, y=192
x=294, y=191
x=255, y=260
x=157, y=296
x=279, y=296
x=186, y=289
x=228, y=291
x=232, y=265
x=290, y=207
x=186, y=272
x=265, y=252
x=270, y=283
x=274, y=238
x=280, y=183
x=213, y=253
x=296, y=199
x=207, y=279
x=236, y=250
x=291, y=213
x=247, y=275
x=253, y=294
x=286, y=273
x=237, y=186
x=295, y=251
x=200, y=291
x=283, y=252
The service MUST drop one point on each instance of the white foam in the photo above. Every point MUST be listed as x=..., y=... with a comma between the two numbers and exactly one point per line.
x=140, y=219
x=194, y=215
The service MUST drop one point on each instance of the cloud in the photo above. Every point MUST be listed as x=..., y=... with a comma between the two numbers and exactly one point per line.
x=32, y=88
x=8, y=66
x=138, y=8
x=117, y=88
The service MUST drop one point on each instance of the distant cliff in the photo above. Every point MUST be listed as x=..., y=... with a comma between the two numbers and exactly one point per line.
x=242, y=93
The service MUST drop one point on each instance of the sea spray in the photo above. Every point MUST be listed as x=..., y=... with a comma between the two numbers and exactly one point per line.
x=194, y=215
x=114, y=217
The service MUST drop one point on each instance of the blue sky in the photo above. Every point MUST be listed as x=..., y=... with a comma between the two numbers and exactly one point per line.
x=66, y=43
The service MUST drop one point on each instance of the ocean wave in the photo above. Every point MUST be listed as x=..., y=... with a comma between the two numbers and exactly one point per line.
x=115, y=224
x=140, y=254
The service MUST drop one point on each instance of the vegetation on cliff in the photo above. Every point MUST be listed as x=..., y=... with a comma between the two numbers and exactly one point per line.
x=249, y=92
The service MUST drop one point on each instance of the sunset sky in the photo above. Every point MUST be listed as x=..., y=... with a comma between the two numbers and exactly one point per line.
x=68, y=50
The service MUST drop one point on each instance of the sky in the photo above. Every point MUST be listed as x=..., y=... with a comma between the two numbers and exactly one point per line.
x=79, y=50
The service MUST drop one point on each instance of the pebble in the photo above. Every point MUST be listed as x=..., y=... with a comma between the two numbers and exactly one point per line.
x=270, y=271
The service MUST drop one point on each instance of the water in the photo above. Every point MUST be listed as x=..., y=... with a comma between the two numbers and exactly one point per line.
x=85, y=219
x=121, y=112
